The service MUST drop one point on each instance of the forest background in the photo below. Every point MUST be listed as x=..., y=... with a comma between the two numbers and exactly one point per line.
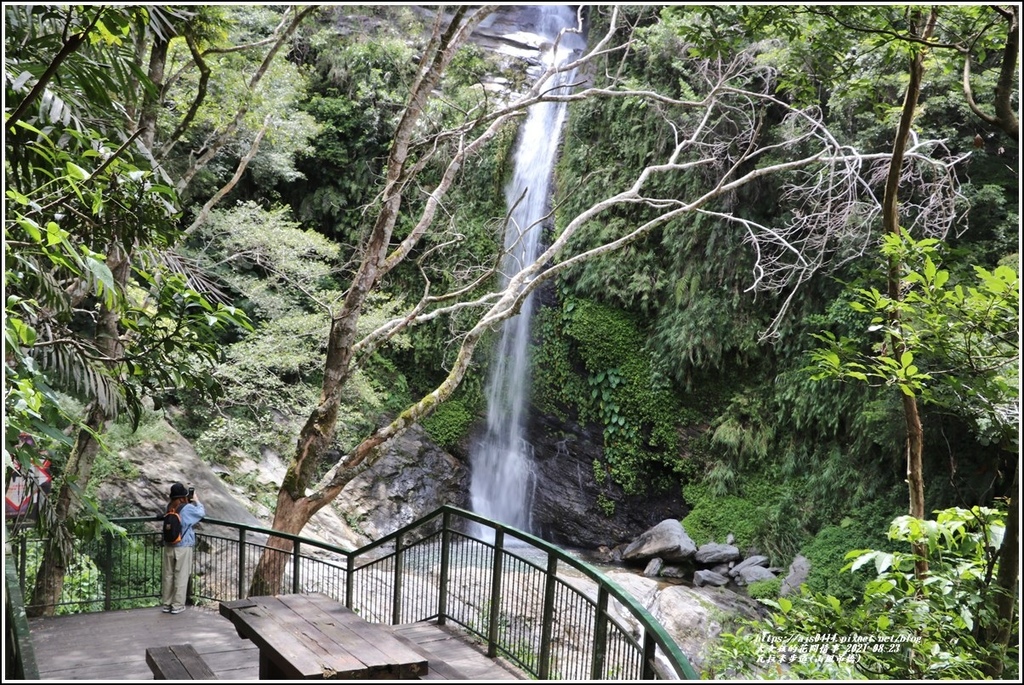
x=196, y=196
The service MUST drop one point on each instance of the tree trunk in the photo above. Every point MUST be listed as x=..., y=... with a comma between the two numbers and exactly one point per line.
x=50, y=578
x=294, y=506
x=151, y=100
x=290, y=516
x=59, y=547
x=891, y=224
x=998, y=634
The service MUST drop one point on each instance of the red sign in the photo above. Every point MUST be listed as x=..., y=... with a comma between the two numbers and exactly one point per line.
x=23, y=496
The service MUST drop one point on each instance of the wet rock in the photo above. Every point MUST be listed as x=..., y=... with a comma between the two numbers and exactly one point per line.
x=681, y=572
x=798, y=571
x=654, y=567
x=565, y=497
x=667, y=540
x=756, y=560
x=705, y=577
x=750, y=574
x=716, y=553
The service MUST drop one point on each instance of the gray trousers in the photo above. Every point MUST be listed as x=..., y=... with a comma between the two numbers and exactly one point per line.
x=176, y=571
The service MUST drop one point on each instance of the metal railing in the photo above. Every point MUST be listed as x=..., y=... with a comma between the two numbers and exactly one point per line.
x=19, y=658
x=554, y=616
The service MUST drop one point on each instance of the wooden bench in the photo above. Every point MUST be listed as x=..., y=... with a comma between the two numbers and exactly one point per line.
x=177, y=662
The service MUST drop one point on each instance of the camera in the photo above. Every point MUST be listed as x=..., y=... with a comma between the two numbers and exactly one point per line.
x=191, y=492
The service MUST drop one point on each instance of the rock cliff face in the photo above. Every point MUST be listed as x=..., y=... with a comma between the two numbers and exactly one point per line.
x=412, y=479
x=565, y=505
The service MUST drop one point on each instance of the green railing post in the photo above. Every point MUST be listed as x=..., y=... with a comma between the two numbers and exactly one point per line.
x=548, y=617
x=496, y=565
x=108, y=541
x=600, y=634
x=296, y=566
x=242, y=590
x=648, y=672
x=442, y=592
x=396, y=596
x=350, y=574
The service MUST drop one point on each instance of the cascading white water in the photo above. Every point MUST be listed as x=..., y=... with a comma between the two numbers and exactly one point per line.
x=502, y=463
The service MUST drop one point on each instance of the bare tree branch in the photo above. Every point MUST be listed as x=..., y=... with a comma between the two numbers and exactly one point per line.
x=204, y=213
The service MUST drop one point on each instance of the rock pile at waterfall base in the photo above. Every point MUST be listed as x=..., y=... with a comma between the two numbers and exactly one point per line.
x=667, y=551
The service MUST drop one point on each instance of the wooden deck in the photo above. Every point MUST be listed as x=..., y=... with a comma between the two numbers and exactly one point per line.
x=112, y=646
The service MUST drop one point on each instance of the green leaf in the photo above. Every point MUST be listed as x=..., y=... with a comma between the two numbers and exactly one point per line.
x=102, y=274
x=17, y=197
x=77, y=172
x=882, y=562
x=26, y=334
x=31, y=227
x=883, y=622
x=862, y=559
x=54, y=234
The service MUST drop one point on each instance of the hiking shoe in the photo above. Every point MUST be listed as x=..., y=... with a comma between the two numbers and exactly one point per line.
x=166, y=608
x=177, y=610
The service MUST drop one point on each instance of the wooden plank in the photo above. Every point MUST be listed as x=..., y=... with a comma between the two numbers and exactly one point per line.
x=164, y=665
x=335, y=661
x=337, y=629
x=372, y=643
x=281, y=640
x=193, y=663
x=458, y=650
x=177, y=662
x=439, y=668
x=110, y=646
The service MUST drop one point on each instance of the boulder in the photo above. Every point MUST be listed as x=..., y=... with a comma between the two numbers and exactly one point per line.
x=749, y=574
x=704, y=577
x=667, y=540
x=798, y=571
x=676, y=571
x=716, y=553
x=695, y=617
x=756, y=560
x=654, y=567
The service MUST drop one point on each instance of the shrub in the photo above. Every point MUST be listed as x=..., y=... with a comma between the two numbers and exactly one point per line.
x=827, y=551
x=765, y=589
x=448, y=424
x=910, y=628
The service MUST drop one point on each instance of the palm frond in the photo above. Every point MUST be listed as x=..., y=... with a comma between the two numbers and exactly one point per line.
x=80, y=372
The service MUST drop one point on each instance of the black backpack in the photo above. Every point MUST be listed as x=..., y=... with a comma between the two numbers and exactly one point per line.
x=172, y=527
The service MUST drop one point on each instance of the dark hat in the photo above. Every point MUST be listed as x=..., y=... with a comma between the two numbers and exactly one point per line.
x=178, y=490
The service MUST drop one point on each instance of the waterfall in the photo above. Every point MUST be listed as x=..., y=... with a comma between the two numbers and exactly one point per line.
x=502, y=462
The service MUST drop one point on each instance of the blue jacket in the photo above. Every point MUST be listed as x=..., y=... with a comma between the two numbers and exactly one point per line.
x=191, y=514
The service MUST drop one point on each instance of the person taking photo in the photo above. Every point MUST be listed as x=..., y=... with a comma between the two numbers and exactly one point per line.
x=184, y=511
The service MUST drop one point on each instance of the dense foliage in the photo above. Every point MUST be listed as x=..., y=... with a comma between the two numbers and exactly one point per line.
x=157, y=209
x=899, y=627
